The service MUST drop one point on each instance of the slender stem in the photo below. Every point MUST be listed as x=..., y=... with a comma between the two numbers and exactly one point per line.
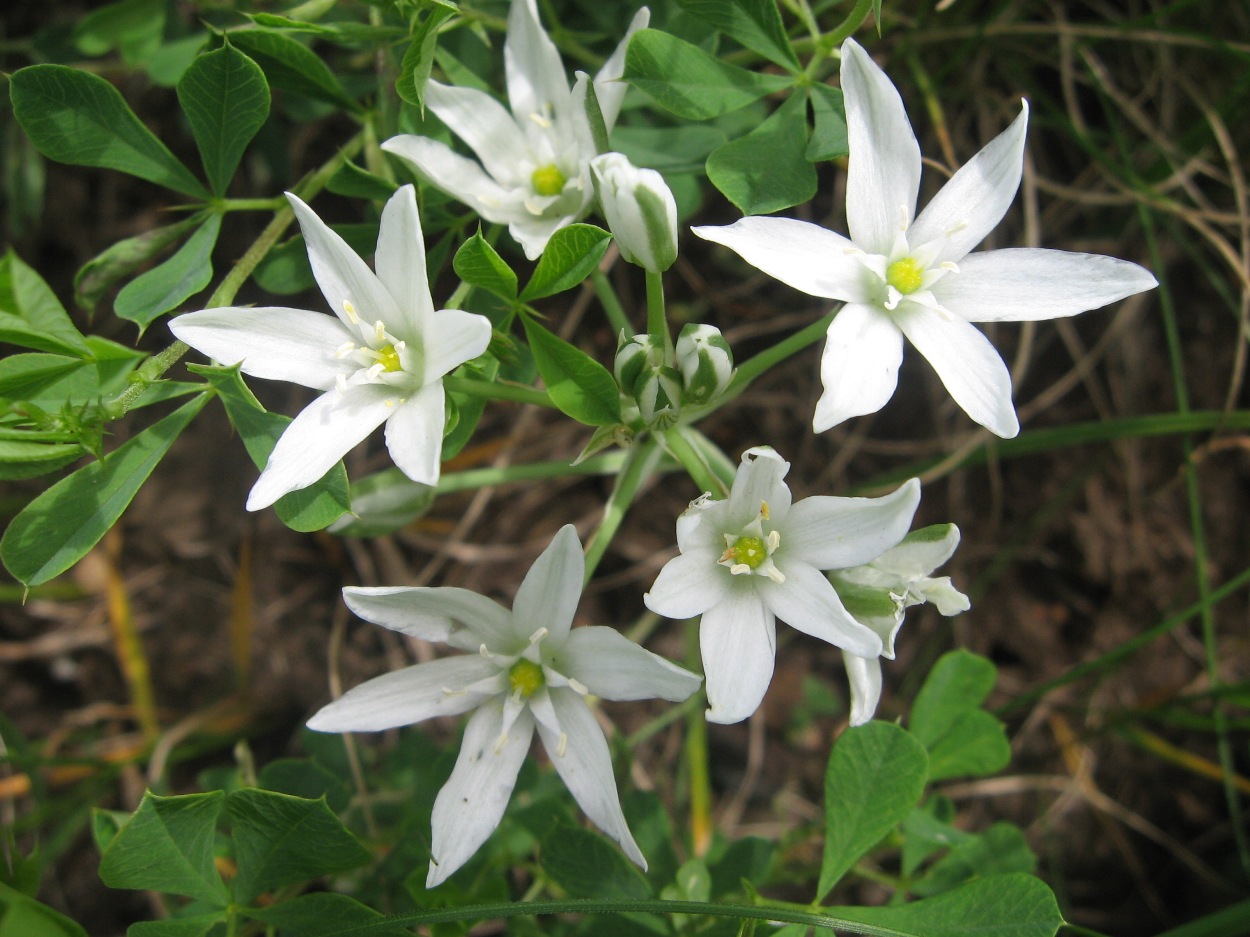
x=607, y=464
x=697, y=755
x=657, y=321
x=611, y=303
x=641, y=461
x=853, y=21
x=494, y=390
x=752, y=368
x=681, y=449
x=249, y=204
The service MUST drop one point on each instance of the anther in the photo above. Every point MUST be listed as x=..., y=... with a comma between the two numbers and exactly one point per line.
x=563, y=746
x=538, y=635
x=351, y=312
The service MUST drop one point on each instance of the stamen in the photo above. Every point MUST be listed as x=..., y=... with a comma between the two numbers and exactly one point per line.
x=578, y=687
x=949, y=265
x=485, y=651
x=539, y=635
x=448, y=691
x=500, y=743
x=563, y=746
x=764, y=510
x=774, y=540
x=773, y=573
x=955, y=229
x=340, y=382
x=344, y=350
x=739, y=569
x=541, y=119
x=379, y=329
x=351, y=312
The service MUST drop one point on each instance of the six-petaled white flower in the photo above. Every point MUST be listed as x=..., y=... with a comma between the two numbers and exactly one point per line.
x=528, y=669
x=380, y=359
x=534, y=172
x=906, y=275
x=754, y=557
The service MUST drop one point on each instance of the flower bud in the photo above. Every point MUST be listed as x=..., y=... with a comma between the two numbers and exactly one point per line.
x=639, y=209
x=633, y=356
x=658, y=393
x=706, y=363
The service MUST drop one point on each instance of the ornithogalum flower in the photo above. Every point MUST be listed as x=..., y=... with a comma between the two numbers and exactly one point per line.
x=879, y=592
x=379, y=359
x=640, y=211
x=754, y=557
x=534, y=172
x=526, y=669
x=905, y=275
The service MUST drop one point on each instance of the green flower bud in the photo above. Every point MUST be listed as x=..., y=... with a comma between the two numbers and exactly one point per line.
x=640, y=211
x=706, y=363
x=658, y=393
x=633, y=356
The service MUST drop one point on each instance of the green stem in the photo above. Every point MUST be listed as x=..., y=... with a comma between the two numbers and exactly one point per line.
x=831, y=40
x=471, y=479
x=249, y=204
x=657, y=321
x=497, y=390
x=697, y=755
x=640, y=462
x=611, y=303
x=679, y=446
x=752, y=368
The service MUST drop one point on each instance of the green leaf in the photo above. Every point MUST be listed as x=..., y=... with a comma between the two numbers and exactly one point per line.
x=168, y=285
x=23, y=459
x=999, y=850
x=580, y=386
x=875, y=776
x=56, y=530
x=133, y=27
x=167, y=846
x=354, y=182
x=382, y=503
x=767, y=170
x=414, y=70
x=976, y=746
x=829, y=124
x=30, y=313
x=946, y=717
x=226, y=99
x=571, y=254
x=122, y=259
x=196, y=926
x=479, y=264
x=75, y=117
x=684, y=79
x=23, y=376
x=292, y=66
x=588, y=866
x=468, y=407
x=756, y=24
x=280, y=840
x=594, y=117
x=308, y=509
x=667, y=150
x=303, y=778
x=23, y=916
x=1014, y=905
x=321, y=912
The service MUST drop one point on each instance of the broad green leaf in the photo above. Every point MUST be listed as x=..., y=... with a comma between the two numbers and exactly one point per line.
x=1015, y=905
x=301, y=777
x=684, y=79
x=122, y=259
x=962, y=738
x=976, y=745
x=571, y=254
x=292, y=66
x=23, y=916
x=468, y=407
x=382, y=503
x=105, y=825
x=576, y=383
x=588, y=866
x=23, y=376
x=667, y=149
x=828, y=139
x=195, y=926
x=30, y=313
x=748, y=858
x=311, y=508
x=75, y=117
x=24, y=459
x=767, y=170
x=756, y=24
x=226, y=99
x=171, y=283
x=167, y=846
x=286, y=270
x=928, y=829
x=479, y=264
x=56, y=530
x=133, y=27
x=280, y=840
x=322, y=912
x=354, y=182
x=414, y=71
x=999, y=850
x=875, y=776
x=171, y=60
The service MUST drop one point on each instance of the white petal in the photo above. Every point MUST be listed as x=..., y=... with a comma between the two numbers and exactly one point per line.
x=883, y=174
x=400, y=261
x=614, y=667
x=552, y=588
x=837, y=533
x=807, y=602
x=537, y=82
x=453, y=337
x=759, y=480
x=942, y=593
x=738, y=640
x=1025, y=284
x=579, y=752
x=865, y=676
x=457, y=176
x=973, y=372
x=343, y=277
x=429, y=613
x=414, y=434
x=975, y=199
x=400, y=698
x=800, y=254
x=859, y=366
x=325, y=431
x=471, y=803
x=275, y=343
x=609, y=89
x=920, y=553
x=486, y=126
x=688, y=585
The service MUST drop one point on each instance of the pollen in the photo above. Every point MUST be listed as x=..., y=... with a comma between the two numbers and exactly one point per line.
x=526, y=677
x=548, y=180
x=905, y=275
x=388, y=357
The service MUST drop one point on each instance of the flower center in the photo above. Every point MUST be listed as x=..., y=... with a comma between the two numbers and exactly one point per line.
x=749, y=551
x=388, y=357
x=548, y=180
x=905, y=275
x=526, y=677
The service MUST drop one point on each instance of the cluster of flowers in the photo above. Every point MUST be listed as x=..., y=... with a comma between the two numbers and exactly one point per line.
x=840, y=569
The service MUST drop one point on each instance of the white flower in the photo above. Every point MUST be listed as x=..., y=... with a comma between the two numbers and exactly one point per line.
x=534, y=174
x=640, y=210
x=527, y=669
x=905, y=275
x=381, y=360
x=754, y=557
x=879, y=592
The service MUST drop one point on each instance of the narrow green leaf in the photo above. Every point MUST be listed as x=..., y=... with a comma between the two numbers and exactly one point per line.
x=756, y=24
x=23, y=916
x=280, y=839
x=322, y=912
x=121, y=260
x=587, y=865
x=75, y=117
x=571, y=254
x=30, y=313
x=414, y=70
x=354, y=182
x=23, y=376
x=382, y=503
x=56, y=530
x=22, y=459
x=829, y=124
x=594, y=117
x=580, y=386
x=292, y=66
x=167, y=846
x=479, y=264
x=133, y=27
x=875, y=776
x=469, y=407
x=226, y=99
x=171, y=283
x=767, y=170
x=684, y=79
x=197, y=925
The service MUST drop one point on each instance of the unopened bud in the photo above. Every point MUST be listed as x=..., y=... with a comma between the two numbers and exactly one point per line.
x=706, y=363
x=640, y=211
x=635, y=355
